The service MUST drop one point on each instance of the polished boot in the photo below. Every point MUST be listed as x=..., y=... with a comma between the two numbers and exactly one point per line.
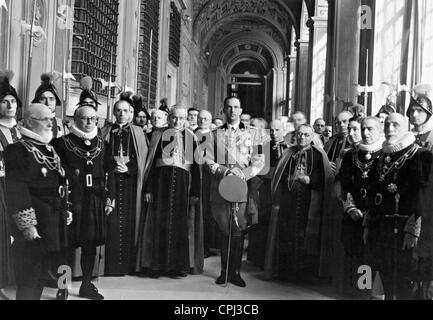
x=224, y=247
x=89, y=291
x=236, y=255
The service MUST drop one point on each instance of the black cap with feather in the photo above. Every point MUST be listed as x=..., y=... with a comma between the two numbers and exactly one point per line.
x=86, y=84
x=127, y=96
x=47, y=85
x=6, y=88
x=137, y=103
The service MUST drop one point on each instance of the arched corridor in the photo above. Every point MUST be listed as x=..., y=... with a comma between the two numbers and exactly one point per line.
x=310, y=73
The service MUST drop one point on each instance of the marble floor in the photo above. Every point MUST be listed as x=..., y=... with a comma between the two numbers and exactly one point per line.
x=201, y=287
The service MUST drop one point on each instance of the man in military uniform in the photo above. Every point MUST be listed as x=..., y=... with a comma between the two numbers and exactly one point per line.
x=233, y=154
x=47, y=94
x=394, y=220
x=353, y=184
x=420, y=116
x=34, y=190
x=83, y=155
x=9, y=134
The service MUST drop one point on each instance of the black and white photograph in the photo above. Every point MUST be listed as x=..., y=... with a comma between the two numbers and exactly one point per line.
x=210, y=151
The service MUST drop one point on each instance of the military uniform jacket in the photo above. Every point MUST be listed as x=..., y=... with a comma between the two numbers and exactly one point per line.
x=34, y=190
x=231, y=150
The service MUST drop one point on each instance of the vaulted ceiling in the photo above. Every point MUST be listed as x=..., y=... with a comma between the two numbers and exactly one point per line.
x=217, y=20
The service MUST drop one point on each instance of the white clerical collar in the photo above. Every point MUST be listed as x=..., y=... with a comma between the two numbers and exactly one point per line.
x=84, y=135
x=8, y=123
x=32, y=135
x=372, y=148
x=121, y=125
x=407, y=140
x=204, y=130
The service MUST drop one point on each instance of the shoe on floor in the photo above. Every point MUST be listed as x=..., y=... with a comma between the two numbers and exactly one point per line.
x=237, y=280
x=90, y=292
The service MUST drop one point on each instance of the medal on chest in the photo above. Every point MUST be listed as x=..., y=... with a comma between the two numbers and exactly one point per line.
x=89, y=176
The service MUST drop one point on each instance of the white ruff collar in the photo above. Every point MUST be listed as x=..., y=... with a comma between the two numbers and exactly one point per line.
x=407, y=140
x=8, y=123
x=428, y=126
x=372, y=148
x=32, y=135
x=84, y=135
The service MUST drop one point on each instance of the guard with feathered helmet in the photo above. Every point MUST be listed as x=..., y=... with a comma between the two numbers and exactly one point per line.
x=88, y=96
x=388, y=108
x=420, y=114
x=6, y=89
x=422, y=97
x=420, y=117
x=9, y=134
x=47, y=94
x=141, y=116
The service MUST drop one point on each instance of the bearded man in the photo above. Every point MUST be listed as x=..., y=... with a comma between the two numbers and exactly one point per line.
x=393, y=222
x=35, y=196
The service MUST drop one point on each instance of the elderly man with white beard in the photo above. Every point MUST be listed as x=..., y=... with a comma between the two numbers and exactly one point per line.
x=393, y=223
x=35, y=194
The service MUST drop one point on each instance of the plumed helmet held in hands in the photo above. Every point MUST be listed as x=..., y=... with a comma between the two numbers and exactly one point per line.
x=422, y=96
x=47, y=85
x=86, y=84
x=6, y=88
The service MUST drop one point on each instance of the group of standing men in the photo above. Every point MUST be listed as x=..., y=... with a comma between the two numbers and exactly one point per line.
x=72, y=195
x=146, y=196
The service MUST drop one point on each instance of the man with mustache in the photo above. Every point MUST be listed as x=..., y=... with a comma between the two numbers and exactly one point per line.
x=35, y=195
x=393, y=223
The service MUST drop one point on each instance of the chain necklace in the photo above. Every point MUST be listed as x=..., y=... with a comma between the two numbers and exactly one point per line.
x=88, y=155
x=385, y=168
x=363, y=167
x=51, y=162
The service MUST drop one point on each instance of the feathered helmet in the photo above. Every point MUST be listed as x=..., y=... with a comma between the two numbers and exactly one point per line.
x=6, y=88
x=137, y=103
x=86, y=84
x=422, y=96
x=47, y=85
x=127, y=96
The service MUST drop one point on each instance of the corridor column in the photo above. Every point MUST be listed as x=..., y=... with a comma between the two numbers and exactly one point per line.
x=343, y=55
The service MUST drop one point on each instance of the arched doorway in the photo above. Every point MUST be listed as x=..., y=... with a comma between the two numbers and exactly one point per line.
x=247, y=82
